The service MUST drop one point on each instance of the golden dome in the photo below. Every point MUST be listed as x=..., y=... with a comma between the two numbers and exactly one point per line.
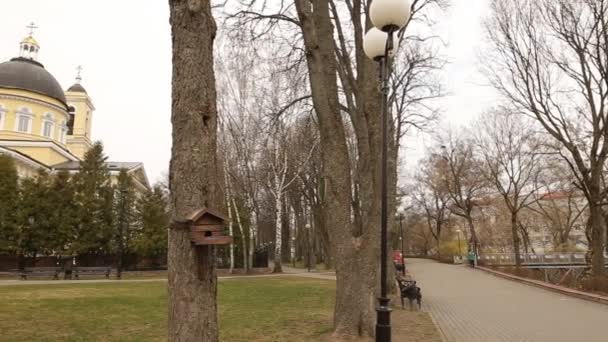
x=29, y=40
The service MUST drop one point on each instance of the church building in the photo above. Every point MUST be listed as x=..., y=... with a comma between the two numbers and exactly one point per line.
x=43, y=127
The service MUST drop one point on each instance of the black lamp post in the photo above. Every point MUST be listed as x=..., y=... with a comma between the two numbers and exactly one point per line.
x=380, y=43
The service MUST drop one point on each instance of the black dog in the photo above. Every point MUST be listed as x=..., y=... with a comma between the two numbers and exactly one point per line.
x=410, y=291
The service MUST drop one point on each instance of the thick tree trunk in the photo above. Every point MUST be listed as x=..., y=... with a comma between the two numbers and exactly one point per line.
x=597, y=234
x=194, y=175
x=355, y=249
x=516, y=242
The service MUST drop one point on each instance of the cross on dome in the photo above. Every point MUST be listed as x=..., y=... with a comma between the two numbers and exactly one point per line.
x=28, y=48
x=79, y=74
x=32, y=27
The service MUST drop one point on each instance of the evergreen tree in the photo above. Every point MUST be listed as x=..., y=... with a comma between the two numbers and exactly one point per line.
x=153, y=218
x=94, y=196
x=63, y=213
x=9, y=195
x=124, y=204
x=35, y=228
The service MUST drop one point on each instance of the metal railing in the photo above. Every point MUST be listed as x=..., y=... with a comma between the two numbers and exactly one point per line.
x=577, y=258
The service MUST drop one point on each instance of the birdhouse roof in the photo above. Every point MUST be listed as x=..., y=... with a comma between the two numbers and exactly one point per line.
x=206, y=211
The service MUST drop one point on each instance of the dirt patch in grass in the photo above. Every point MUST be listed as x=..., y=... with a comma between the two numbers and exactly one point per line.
x=413, y=326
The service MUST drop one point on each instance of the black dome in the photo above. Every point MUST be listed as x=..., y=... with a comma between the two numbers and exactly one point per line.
x=27, y=74
x=78, y=88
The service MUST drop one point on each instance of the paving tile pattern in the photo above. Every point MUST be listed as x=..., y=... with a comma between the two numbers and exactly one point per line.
x=471, y=305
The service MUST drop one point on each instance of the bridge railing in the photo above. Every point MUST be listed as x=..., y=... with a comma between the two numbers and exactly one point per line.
x=577, y=258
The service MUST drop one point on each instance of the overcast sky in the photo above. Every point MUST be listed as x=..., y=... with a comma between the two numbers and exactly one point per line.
x=125, y=50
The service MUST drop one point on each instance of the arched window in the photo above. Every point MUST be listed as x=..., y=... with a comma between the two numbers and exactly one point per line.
x=63, y=132
x=48, y=124
x=24, y=120
x=2, y=115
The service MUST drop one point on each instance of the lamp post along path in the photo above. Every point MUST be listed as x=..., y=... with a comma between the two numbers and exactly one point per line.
x=388, y=16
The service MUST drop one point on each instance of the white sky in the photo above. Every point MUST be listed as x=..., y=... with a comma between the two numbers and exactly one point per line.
x=125, y=50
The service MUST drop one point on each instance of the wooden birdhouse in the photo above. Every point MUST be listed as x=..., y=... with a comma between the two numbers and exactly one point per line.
x=207, y=228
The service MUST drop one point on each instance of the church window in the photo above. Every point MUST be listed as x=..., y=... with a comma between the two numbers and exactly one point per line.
x=48, y=129
x=63, y=132
x=48, y=125
x=24, y=120
x=24, y=124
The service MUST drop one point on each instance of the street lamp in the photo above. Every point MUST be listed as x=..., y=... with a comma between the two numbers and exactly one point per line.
x=379, y=44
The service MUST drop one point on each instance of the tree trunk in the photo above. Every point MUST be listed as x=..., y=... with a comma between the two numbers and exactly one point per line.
x=516, y=242
x=252, y=236
x=596, y=233
x=474, y=240
x=194, y=175
x=278, y=241
x=246, y=265
x=230, y=225
x=286, y=231
x=355, y=250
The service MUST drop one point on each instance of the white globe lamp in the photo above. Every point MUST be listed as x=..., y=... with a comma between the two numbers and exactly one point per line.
x=374, y=43
x=389, y=14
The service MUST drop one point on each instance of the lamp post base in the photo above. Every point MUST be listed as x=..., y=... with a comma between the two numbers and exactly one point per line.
x=383, y=321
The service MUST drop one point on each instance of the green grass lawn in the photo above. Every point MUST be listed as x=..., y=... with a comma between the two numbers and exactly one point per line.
x=250, y=309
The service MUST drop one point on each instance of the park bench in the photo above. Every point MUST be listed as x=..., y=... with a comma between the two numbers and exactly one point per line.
x=409, y=290
x=39, y=272
x=78, y=271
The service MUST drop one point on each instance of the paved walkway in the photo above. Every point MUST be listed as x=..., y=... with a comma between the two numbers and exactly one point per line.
x=471, y=305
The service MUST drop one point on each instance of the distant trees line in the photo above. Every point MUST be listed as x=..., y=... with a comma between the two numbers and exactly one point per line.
x=85, y=213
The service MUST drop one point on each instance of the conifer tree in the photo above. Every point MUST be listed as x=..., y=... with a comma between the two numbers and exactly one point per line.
x=63, y=213
x=153, y=218
x=9, y=195
x=124, y=204
x=35, y=229
x=94, y=196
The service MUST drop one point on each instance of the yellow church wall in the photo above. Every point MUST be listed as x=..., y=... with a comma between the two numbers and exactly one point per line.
x=80, y=141
x=13, y=100
x=44, y=155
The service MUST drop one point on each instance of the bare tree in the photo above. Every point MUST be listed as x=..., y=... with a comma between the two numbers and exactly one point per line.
x=344, y=91
x=463, y=180
x=194, y=176
x=559, y=202
x=510, y=152
x=431, y=196
x=549, y=60
x=280, y=177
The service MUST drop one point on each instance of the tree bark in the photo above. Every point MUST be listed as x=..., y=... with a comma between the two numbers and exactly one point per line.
x=252, y=236
x=355, y=248
x=516, y=241
x=278, y=241
x=194, y=175
x=597, y=236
